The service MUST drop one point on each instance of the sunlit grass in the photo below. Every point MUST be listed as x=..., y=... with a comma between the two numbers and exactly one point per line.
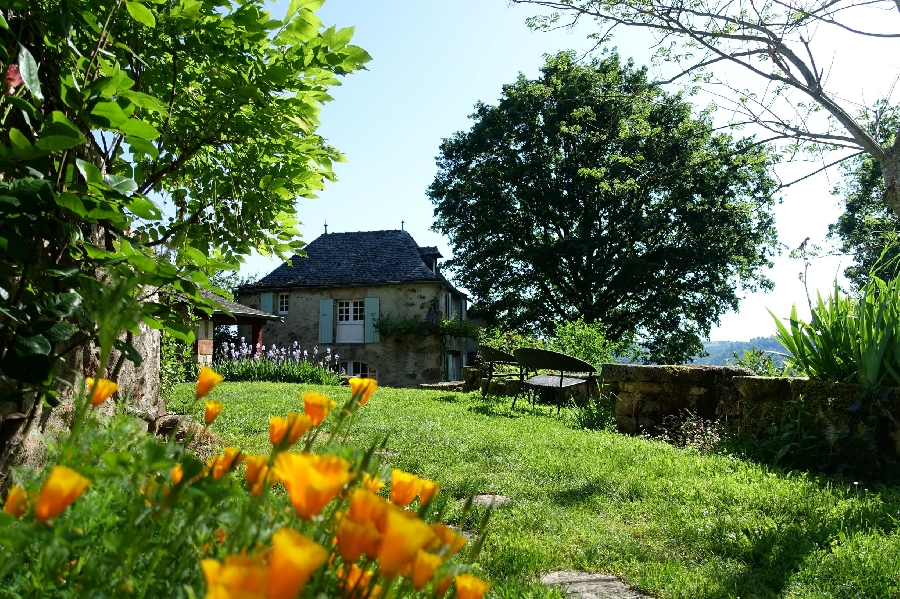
x=673, y=522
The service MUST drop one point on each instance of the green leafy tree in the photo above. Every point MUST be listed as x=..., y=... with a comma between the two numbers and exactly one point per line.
x=142, y=145
x=590, y=193
x=868, y=229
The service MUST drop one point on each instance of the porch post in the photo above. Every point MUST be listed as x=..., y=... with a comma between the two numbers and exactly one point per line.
x=256, y=337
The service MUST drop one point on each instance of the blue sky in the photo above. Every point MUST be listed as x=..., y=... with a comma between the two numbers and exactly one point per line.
x=432, y=61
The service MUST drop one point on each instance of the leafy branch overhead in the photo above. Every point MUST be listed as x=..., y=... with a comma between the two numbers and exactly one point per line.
x=590, y=193
x=785, y=45
x=144, y=143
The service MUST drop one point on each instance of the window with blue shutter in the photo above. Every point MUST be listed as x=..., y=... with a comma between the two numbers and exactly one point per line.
x=326, y=321
x=373, y=312
x=265, y=302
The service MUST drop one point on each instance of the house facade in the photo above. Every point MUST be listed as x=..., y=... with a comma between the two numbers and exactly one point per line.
x=332, y=297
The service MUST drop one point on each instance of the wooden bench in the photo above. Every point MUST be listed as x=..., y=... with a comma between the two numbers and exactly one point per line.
x=543, y=359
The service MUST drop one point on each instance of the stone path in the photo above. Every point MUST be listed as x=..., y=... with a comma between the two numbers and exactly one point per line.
x=491, y=500
x=586, y=585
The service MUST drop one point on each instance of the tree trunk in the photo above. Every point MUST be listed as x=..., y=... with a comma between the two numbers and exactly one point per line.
x=890, y=170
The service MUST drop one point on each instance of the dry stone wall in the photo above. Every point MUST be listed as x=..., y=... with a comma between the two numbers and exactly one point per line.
x=645, y=395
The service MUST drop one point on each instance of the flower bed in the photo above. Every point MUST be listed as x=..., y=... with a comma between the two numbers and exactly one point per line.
x=289, y=364
x=121, y=513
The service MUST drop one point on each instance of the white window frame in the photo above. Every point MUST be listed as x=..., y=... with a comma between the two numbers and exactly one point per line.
x=351, y=313
x=358, y=368
x=284, y=303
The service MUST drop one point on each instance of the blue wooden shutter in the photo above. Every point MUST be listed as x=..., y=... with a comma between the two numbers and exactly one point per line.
x=373, y=311
x=326, y=321
x=462, y=309
x=265, y=302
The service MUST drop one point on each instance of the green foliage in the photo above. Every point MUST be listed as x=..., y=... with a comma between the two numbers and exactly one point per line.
x=175, y=364
x=868, y=229
x=118, y=153
x=599, y=414
x=449, y=327
x=585, y=341
x=855, y=340
x=760, y=362
x=591, y=193
x=599, y=501
x=509, y=340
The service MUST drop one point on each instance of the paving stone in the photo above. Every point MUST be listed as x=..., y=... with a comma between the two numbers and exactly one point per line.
x=587, y=585
x=494, y=500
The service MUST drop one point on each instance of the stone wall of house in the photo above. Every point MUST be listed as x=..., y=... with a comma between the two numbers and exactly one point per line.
x=401, y=361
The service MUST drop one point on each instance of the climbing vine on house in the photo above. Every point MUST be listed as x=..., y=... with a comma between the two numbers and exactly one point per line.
x=448, y=327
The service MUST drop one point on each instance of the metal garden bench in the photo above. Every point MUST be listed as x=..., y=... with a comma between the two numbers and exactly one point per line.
x=495, y=356
x=531, y=359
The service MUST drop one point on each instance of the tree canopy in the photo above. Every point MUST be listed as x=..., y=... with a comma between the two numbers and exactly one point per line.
x=781, y=43
x=143, y=142
x=590, y=193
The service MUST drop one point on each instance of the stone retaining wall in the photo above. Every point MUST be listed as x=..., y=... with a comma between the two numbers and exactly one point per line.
x=645, y=395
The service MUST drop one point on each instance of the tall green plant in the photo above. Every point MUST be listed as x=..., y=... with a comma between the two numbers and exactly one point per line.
x=848, y=339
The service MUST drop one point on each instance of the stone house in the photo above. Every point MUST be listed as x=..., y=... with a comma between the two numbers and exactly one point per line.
x=332, y=297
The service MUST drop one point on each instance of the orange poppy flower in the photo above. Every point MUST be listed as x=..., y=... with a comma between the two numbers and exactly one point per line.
x=206, y=381
x=239, y=576
x=470, y=587
x=101, y=390
x=221, y=465
x=404, y=535
x=404, y=487
x=284, y=432
x=259, y=476
x=428, y=490
x=355, y=539
x=317, y=406
x=423, y=568
x=59, y=491
x=364, y=388
x=443, y=585
x=213, y=408
x=16, y=502
x=311, y=480
x=447, y=540
x=356, y=583
x=176, y=473
x=371, y=483
x=292, y=561
x=366, y=506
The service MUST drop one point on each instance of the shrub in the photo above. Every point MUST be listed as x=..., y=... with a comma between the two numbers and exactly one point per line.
x=760, y=362
x=118, y=512
x=583, y=340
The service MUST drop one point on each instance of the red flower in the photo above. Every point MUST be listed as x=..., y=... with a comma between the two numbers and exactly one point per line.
x=12, y=78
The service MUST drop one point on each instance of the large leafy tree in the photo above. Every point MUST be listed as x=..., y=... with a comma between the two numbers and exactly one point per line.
x=787, y=48
x=144, y=143
x=591, y=193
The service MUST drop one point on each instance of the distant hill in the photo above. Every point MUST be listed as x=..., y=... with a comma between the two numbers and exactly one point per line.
x=719, y=351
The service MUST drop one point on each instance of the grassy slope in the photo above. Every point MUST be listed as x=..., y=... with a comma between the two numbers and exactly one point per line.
x=669, y=521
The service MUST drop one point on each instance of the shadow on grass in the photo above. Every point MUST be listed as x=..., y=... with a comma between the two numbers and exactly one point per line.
x=502, y=407
x=770, y=549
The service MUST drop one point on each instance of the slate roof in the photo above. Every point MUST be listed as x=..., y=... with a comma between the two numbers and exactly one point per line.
x=237, y=309
x=354, y=259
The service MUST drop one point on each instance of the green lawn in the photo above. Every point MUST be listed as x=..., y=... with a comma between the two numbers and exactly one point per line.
x=673, y=522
